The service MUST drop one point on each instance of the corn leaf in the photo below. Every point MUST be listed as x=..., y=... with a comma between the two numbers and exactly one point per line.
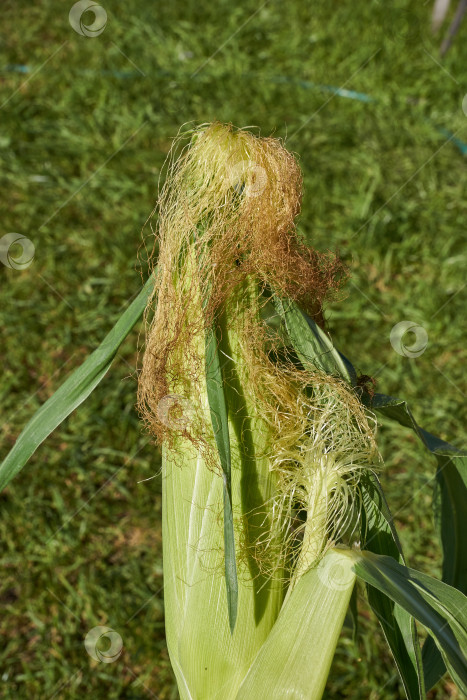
x=74, y=391
x=379, y=536
x=450, y=506
x=219, y=419
x=442, y=609
x=451, y=510
x=295, y=659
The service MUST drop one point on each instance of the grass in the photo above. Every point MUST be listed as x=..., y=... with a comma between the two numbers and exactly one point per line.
x=82, y=144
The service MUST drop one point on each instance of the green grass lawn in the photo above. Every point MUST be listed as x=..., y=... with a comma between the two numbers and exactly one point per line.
x=84, y=133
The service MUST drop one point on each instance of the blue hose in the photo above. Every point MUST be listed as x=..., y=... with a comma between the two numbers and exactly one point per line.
x=305, y=84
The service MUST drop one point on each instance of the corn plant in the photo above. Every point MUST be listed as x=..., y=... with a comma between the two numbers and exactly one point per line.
x=272, y=506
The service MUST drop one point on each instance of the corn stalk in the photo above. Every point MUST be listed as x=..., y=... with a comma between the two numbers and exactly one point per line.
x=271, y=501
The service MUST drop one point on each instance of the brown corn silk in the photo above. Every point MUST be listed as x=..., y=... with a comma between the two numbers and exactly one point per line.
x=299, y=439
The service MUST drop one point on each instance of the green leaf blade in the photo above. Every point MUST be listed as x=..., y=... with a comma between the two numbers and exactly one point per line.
x=311, y=343
x=450, y=504
x=379, y=536
x=440, y=608
x=77, y=387
x=219, y=419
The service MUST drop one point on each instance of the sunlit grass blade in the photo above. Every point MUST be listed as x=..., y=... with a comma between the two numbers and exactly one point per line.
x=74, y=391
x=440, y=608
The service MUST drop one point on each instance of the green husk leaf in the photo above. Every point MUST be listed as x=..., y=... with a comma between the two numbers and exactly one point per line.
x=442, y=609
x=74, y=390
x=218, y=409
x=209, y=660
x=379, y=536
x=311, y=344
x=295, y=659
